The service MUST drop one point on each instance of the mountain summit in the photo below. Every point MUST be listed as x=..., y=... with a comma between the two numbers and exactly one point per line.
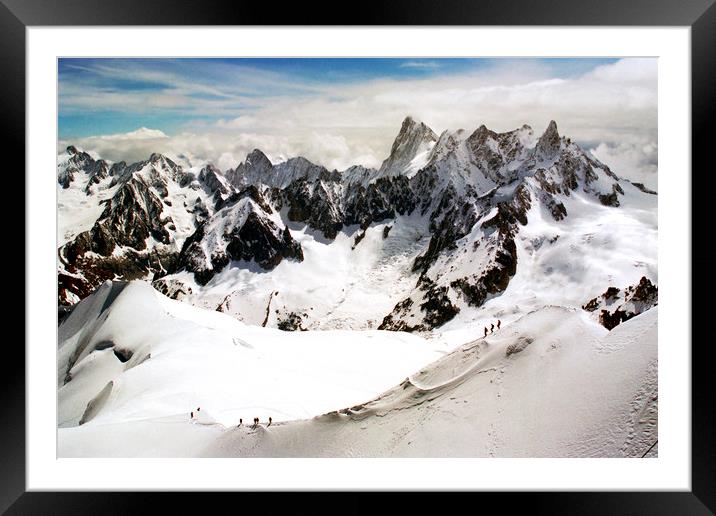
x=410, y=148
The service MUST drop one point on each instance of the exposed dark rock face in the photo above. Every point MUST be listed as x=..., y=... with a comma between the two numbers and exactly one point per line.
x=209, y=176
x=256, y=167
x=99, y=171
x=63, y=312
x=87, y=272
x=493, y=151
x=556, y=209
x=395, y=321
x=257, y=240
x=132, y=215
x=644, y=189
x=549, y=143
x=246, y=234
x=251, y=192
x=451, y=220
x=493, y=279
x=510, y=213
x=172, y=288
x=378, y=201
x=615, y=306
x=436, y=309
x=200, y=211
x=291, y=322
x=645, y=292
x=612, y=199
x=316, y=204
x=358, y=238
x=437, y=306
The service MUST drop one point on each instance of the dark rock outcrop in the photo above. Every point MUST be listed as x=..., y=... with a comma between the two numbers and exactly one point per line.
x=549, y=143
x=615, y=306
x=245, y=234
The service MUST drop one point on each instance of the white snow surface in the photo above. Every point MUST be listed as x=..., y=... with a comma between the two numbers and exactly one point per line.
x=336, y=286
x=184, y=357
x=551, y=384
x=566, y=263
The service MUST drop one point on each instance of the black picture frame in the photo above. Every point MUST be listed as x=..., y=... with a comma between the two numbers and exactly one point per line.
x=700, y=15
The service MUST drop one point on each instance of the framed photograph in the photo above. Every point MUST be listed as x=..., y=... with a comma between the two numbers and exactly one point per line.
x=423, y=252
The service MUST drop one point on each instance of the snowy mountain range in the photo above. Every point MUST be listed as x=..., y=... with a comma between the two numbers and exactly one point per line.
x=517, y=274
x=451, y=228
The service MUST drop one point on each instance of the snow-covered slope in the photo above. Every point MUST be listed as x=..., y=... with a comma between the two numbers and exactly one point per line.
x=553, y=383
x=127, y=353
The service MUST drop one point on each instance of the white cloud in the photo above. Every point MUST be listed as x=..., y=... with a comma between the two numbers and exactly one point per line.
x=634, y=161
x=143, y=133
x=612, y=109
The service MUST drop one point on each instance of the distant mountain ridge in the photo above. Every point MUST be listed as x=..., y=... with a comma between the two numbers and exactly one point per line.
x=471, y=193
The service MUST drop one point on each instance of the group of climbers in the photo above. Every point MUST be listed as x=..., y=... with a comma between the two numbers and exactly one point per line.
x=492, y=327
x=241, y=421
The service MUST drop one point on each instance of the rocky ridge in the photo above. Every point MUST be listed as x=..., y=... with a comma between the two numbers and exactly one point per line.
x=474, y=191
x=616, y=305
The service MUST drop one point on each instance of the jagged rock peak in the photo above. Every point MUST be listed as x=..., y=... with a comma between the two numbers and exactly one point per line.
x=72, y=150
x=411, y=130
x=212, y=177
x=159, y=159
x=413, y=138
x=481, y=134
x=256, y=158
x=551, y=129
x=549, y=142
x=210, y=168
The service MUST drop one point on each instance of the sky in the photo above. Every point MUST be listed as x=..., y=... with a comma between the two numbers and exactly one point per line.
x=339, y=112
